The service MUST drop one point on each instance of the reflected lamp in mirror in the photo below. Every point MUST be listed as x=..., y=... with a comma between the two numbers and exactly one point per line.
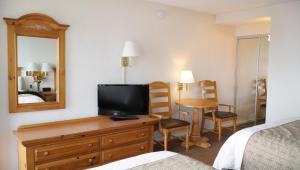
x=46, y=68
x=38, y=73
x=31, y=68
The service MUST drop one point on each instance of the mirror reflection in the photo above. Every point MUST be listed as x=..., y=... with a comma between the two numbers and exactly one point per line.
x=37, y=63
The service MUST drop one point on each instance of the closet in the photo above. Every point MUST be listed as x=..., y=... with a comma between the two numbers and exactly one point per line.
x=252, y=78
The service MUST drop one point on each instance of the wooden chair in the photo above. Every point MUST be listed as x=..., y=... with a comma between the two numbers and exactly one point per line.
x=209, y=91
x=160, y=107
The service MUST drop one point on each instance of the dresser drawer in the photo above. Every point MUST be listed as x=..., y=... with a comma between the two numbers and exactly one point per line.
x=124, y=152
x=73, y=163
x=72, y=148
x=124, y=137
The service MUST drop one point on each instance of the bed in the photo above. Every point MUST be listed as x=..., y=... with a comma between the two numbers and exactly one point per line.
x=30, y=97
x=269, y=146
x=273, y=146
x=156, y=160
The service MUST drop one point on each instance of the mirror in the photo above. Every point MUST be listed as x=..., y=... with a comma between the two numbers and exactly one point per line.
x=36, y=69
x=36, y=63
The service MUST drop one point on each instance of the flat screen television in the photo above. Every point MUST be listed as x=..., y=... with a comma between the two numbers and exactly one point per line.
x=123, y=100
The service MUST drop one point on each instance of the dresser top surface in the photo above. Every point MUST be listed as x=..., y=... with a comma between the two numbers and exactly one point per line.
x=69, y=129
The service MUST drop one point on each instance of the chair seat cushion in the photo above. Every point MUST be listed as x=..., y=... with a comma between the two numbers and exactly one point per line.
x=221, y=115
x=173, y=123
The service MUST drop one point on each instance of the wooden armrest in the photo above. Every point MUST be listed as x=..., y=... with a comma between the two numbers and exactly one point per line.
x=157, y=116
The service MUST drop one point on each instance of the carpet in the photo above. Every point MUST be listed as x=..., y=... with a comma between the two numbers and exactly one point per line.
x=204, y=155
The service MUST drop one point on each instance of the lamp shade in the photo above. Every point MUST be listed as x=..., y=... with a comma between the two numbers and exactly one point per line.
x=33, y=67
x=187, y=77
x=130, y=49
x=46, y=67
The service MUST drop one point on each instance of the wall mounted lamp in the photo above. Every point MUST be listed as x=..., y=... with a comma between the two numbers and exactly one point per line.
x=130, y=50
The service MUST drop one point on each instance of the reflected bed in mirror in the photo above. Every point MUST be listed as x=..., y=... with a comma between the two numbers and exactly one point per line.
x=37, y=58
x=36, y=51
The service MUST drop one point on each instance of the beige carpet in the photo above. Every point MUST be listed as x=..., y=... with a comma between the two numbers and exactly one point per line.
x=205, y=155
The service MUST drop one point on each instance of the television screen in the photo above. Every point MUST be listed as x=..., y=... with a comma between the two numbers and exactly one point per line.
x=123, y=99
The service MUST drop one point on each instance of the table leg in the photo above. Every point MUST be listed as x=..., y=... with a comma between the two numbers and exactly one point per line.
x=195, y=134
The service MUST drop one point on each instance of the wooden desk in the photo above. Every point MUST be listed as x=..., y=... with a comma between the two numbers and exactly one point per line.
x=197, y=105
x=83, y=143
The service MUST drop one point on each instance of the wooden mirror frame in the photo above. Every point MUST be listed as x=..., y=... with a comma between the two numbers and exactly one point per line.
x=35, y=25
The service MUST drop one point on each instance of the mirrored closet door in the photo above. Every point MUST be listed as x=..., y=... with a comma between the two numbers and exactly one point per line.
x=251, y=78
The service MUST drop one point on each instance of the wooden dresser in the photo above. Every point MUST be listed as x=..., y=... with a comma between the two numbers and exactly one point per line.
x=49, y=96
x=83, y=143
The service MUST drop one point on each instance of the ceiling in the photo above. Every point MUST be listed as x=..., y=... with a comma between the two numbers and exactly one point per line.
x=220, y=6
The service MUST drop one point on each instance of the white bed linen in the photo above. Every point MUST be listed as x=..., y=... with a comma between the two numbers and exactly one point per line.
x=231, y=154
x=136, y=161
x=29, y=98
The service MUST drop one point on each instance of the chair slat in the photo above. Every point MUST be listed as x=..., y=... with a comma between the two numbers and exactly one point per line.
x=160, y=105
x=159, y=85
x=159, y=94
x=207, y=83
x=209, y=91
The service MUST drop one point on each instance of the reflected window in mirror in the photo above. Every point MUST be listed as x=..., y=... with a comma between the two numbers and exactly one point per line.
x=37, y=58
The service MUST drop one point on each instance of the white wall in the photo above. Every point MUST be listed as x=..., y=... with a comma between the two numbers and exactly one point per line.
x=253, y=29
x=284, y=63
x=283, y=85
x=94, y=41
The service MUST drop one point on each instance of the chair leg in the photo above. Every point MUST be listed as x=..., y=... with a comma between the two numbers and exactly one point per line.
x=234, y=125
x=166, y=134
x=220, y=130
x=215, y=126
x=187, y=138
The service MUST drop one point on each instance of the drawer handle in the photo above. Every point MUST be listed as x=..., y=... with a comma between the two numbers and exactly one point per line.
x=143, y=134
x=90, y=160
x=90, y=145
x=46, y=153
x=142, y=147
x=110, y=140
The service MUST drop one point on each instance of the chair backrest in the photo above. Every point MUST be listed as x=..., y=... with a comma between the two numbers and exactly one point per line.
x=208, y=90
x=160, y=99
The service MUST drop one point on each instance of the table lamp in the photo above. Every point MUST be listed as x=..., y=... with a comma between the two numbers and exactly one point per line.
x=130, y=50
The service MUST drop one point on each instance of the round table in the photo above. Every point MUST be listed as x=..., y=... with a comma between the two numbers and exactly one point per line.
x=197, y=105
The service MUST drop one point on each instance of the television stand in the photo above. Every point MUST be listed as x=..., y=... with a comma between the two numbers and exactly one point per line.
x=123, y=117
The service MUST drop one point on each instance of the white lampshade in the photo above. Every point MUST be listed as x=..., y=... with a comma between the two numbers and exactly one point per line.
x=130, y=49
x=46, y=67
x=33, y=67
x=187, y=77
